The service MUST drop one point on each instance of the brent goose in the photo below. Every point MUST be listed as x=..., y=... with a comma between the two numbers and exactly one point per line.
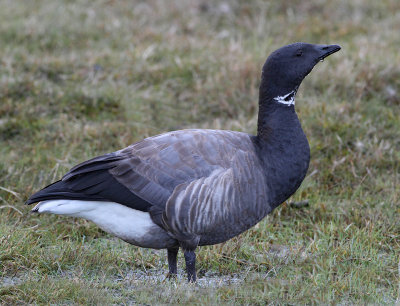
x=197, y=187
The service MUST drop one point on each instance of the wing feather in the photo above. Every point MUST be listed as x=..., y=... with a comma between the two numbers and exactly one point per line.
x=223, y=203
x=192, y=181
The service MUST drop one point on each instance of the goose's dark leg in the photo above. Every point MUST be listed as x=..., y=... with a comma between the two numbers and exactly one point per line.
x=172, y=255
x=190, y=258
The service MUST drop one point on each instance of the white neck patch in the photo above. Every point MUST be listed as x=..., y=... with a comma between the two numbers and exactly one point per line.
x=287, y=99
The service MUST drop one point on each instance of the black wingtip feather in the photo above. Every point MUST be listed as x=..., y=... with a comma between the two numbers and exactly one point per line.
x=54, y=191
x=98, y=185
x=37, y=197
x=103, y=162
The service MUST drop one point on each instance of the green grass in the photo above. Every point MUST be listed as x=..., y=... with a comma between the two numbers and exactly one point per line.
x=78, y=79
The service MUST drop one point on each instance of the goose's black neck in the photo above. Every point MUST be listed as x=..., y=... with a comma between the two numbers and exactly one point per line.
x=282, y=146
x=276, y=110
x=280, y=143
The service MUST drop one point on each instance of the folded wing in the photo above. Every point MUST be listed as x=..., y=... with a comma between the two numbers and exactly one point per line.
x=153, y=172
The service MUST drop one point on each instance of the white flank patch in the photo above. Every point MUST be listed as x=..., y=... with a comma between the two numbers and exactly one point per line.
x=282, y=99
x=124, y=222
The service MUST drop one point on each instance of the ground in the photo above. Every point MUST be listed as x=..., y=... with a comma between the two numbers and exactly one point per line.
x=79, y=79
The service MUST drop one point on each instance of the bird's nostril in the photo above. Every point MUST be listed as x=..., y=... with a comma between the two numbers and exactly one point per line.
x=325, y=48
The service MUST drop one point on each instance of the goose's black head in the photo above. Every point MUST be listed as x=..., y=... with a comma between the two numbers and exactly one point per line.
x=286, y=68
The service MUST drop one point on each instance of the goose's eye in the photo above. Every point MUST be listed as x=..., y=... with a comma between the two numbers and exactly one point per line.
x=299, y=53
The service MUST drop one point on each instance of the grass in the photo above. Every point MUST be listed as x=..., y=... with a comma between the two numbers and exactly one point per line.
x=78, y=79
